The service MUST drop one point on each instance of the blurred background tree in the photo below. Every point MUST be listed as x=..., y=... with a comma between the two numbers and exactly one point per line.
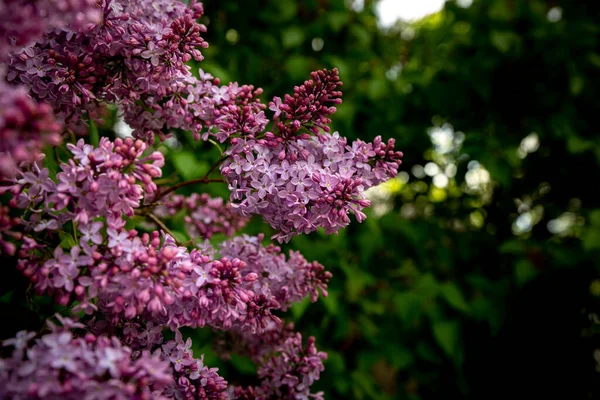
x=476, y=274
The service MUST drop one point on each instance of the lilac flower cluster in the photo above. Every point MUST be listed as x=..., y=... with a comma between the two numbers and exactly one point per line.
x=193, y=380
x=61, y=365
x=24, y=21
x=204, y=215
x=301, y=185
x=108, y=181
x=8, y=233
x=125, y=275
x=286, y=367
x=310, y=105
x=25, y=127
x=136, y=58
x=242, y=289
x=287, y=281
x=297, y=181
x=135, y=53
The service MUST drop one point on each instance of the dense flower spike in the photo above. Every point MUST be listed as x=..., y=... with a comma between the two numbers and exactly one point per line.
x=204, y=215
x=108, y=181
x=80, y=225
x=60, y=365
x=25, y=127
x=288, y=281
x=24, y=21
x=286, y=368
x=193, y=379
x=309, y=106
x=297, y=181
x=136, y=58
x=301, y=185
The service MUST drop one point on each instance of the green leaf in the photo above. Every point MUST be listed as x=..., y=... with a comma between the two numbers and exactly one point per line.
x=292, y=37
x=337, y=20
x=408, y=307
x=426, y=352
x=594, y=59
x=331, y=303
x=524, y=272
x=447, y=334
x=452, y=294
x=576, y=85
x=365, y=382
x=66, y=240
x=188, y=166
x=594, y=217
x=180, y=236
x=591, y=239
x=243, y=364
x=94, y=137
x=297, y=66
x=400, y=357
x=512, y=247
x=298, y=309
x=503, y=40
x=427, y=286
x=377, y=88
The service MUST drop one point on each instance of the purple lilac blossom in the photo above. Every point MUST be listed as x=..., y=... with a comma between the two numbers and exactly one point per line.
x=301, y=177
x=25, y=127
x=286, y=367
x=61, y=365
x=8, y=233
x=301, y=185
x=137, y=58
x=204, y=215
x=287, y=280
x=24, y=21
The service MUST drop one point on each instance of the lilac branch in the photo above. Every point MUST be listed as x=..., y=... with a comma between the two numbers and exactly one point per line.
x=162, y=226
x=203, y=180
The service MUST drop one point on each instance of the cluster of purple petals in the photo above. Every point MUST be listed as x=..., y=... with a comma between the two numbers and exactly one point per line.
x=193, y=380
x=287, y=280
x=309, y=107
x=126, y=275
x=61, y=365
x=287, y=368
x=301, y=177
x=204, y=215
x=136, y=57
x=108, y=181
x=25, y=127
x=24, y=21
x=80, y=55
x=301, y=185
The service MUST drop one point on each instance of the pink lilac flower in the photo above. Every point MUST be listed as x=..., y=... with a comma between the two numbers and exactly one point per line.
x=301, y=185
x=286, y=367
x=204, y=215
x=22, y=22
x=25, y=127
x=62, y=365
x=288, y=280
x=302, y=177
x=193, y=380
x=8, y=233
